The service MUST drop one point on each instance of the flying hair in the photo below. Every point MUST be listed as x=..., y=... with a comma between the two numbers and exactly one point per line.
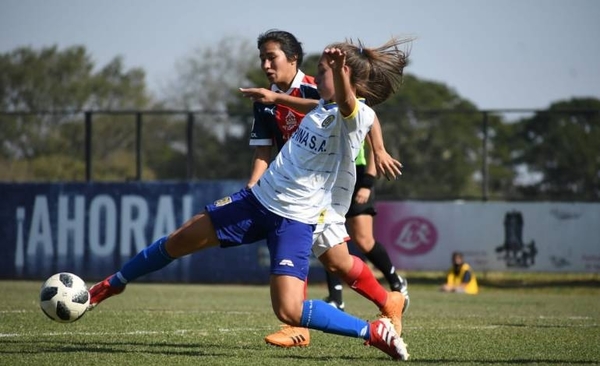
x=375, y=72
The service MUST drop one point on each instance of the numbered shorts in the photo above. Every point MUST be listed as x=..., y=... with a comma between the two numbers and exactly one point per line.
x=326, y=236
x=241, y=219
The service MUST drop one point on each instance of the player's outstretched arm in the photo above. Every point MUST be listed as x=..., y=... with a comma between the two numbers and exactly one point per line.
x=266, y=96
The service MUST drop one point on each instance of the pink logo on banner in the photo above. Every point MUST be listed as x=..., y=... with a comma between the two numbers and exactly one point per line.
x=414, y=235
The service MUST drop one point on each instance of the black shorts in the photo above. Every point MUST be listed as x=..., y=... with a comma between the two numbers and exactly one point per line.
x=367, y=208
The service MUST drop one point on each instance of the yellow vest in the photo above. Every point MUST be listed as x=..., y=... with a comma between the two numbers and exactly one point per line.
x=456, y=280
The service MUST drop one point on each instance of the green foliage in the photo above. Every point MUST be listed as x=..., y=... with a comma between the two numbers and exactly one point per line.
x=46, y=79
x=114, y=88
x=440, y=151
x=208, y=78
x=51, y=87
x=64, y=80
x=502, y=143
x=562, y=145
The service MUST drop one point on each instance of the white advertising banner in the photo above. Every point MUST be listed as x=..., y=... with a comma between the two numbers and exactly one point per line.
x=496, y=236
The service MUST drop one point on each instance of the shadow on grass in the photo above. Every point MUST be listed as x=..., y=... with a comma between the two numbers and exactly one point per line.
x=24, y=347
x=31, y=347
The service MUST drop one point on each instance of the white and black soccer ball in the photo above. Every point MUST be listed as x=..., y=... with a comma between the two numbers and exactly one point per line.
x=64, y=297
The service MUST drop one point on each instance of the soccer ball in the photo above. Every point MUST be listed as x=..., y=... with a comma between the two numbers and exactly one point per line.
x=64, y=297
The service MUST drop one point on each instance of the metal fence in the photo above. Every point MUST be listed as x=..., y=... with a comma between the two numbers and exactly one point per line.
x=144, y=145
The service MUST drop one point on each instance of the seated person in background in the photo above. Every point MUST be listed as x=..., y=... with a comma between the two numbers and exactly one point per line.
x=460, y=277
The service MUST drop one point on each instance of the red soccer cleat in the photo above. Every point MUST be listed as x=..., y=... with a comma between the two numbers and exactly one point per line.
x=102, y=291
x=385, y=338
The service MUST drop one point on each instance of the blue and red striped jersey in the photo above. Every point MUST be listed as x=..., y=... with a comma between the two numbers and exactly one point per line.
x=274, y=124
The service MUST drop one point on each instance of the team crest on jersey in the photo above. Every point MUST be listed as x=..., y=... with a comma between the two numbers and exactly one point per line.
x=290, y=121
x=328, y=121
x=223, y=201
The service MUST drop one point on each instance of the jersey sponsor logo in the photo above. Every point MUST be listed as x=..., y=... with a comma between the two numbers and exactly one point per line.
x=328, y=121
x=223, y=201
x=307, y=139
x=286, y=262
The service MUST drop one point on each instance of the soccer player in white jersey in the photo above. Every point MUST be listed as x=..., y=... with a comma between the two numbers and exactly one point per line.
x=282, y=207
x=275, y=111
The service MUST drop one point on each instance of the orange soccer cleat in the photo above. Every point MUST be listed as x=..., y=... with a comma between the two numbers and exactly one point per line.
x=393, y=310
x=289, y=336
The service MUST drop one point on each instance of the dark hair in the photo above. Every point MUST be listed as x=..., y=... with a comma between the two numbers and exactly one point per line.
x=288, y=43
x=375, y=72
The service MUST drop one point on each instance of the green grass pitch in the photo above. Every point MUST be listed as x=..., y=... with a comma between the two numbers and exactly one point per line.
x=193, y=324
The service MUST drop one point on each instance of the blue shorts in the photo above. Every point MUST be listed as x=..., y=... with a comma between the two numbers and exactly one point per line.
x=241, y=219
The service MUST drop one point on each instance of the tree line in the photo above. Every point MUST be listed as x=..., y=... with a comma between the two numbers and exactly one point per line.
x=449, y=148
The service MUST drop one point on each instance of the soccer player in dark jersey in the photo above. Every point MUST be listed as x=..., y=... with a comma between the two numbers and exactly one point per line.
x=281, y=56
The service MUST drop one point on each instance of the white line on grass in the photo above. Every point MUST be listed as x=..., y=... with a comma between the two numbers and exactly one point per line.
x=151, y=311
x=202, y=332
x=132, y=333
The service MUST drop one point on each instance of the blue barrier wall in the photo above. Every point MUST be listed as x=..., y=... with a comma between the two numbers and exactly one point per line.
x=91, y=229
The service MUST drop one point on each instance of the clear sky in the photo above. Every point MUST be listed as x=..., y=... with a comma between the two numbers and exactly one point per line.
x=495, y=53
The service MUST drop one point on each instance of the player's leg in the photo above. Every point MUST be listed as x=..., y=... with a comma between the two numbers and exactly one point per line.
x=196, y=234
x=359, y=277
x=289, y=270
x=334, y=289
x=289, y=249
x=361, y=230
x=200, y=232
x=290, y=336
x=332, y=251
x=289, y=306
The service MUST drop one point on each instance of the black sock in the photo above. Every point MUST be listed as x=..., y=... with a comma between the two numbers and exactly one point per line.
x=334, y=285
x=381, y=260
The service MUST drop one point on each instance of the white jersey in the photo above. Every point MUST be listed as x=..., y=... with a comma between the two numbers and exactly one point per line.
x=315, y=170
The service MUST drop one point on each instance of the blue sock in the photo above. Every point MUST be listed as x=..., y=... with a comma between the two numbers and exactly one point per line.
x=152, y=258
x=317, y=314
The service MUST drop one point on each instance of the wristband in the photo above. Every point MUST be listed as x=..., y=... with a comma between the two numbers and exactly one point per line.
x=367, y=181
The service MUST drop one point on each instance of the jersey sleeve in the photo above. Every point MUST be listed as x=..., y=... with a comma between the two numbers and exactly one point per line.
x=261, y=134
x=361, y=118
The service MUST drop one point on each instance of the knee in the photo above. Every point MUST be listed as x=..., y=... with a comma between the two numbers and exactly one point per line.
x=364, y=243
x=289, y=315
x=338, y=267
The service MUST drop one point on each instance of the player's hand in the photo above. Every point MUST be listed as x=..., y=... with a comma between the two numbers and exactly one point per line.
x=362, y=195
x=335, y=57
x=386, y=165
x=260, y=95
